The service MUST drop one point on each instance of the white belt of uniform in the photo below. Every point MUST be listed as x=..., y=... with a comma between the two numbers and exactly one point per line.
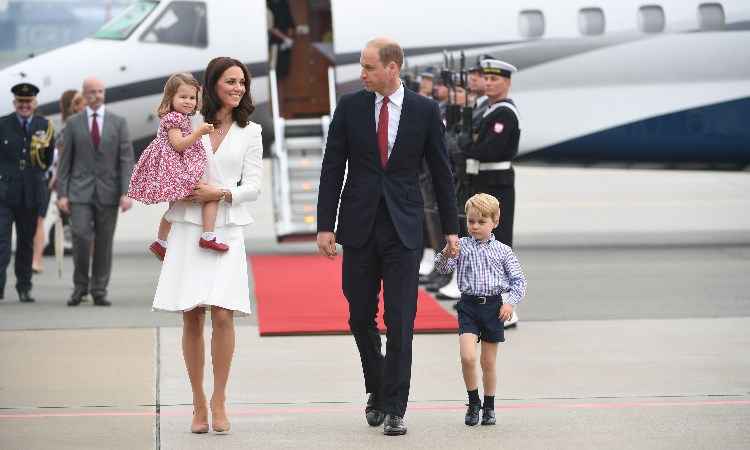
x=502, y=165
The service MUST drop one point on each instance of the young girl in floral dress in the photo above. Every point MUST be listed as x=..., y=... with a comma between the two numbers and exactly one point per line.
x=175, y=161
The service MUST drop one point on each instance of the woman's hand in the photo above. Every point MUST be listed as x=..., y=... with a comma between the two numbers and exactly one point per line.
x=203, y=193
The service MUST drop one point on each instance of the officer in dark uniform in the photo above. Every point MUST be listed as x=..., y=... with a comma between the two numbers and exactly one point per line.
x=490, y=149
x=26, y=151
x=494, y=144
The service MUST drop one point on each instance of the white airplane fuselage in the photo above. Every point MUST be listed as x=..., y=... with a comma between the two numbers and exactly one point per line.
x=667, y=81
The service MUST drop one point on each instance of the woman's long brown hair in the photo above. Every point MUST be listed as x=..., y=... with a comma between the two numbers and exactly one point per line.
x=211, y=102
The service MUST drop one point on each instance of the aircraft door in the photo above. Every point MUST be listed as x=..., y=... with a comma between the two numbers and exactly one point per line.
x=303, y=83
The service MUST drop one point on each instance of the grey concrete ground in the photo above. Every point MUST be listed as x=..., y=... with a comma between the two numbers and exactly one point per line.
x=619, y=347
x=634, y=335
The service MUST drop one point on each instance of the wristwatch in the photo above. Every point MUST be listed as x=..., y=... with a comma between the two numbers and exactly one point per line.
x=223, y=195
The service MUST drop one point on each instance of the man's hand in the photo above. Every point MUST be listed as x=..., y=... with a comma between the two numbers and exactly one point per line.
x=327, y=244
x=506, y=311
x=63, y=205
x=451, y=246
x=125, y=203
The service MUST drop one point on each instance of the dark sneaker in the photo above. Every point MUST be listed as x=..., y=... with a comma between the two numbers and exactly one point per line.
x=374, y=412
x=394, y=425
x=488, y=416
x=472, y=414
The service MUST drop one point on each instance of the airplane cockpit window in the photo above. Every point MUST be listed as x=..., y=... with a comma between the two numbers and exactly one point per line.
x=121, y=26
x=651, y=19
x=531, y=23
x=591, y=21
x=711, y=16
x=181, y=23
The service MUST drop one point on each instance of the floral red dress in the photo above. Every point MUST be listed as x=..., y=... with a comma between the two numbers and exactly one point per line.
x=163, y=174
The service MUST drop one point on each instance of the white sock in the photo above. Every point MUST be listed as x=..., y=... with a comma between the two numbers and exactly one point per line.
x=162, y=243
x=208, y=235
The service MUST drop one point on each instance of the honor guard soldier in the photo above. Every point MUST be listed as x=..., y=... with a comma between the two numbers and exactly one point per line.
x=26, y=151
x=494, y=144
x=476, y=88
x=491, y=148
x=426, y=82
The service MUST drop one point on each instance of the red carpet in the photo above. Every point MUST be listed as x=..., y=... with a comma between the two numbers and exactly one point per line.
x=302, y=295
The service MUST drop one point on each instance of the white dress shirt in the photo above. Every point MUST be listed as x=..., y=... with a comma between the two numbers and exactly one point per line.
x=99, y=117
x=395, y=102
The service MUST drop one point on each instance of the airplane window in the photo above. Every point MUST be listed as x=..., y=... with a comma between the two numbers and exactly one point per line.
x=591, y=21
x=651, y=19
x=531, y=23
x=182, y=23
x=711, y=16
x=122, y=26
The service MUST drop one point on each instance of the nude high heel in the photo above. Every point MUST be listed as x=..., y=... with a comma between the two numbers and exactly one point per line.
x=198, y=428
x=220, y=427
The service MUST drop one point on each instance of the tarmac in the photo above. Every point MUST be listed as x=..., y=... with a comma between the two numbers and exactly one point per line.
x=639, y=342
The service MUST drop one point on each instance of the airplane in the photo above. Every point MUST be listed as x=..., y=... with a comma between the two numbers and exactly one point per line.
x=621, y=81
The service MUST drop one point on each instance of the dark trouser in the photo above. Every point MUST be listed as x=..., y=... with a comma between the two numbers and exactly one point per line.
x=26, y=222
x=92, y=224
x=507, y=197
x=385, y=258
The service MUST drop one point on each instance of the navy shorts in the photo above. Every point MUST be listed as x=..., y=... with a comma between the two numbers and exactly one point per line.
x=481, y=318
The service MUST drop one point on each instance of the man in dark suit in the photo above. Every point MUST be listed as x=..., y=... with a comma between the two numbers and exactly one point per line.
x=26, y=150
x=383, y=133
x=93, y=180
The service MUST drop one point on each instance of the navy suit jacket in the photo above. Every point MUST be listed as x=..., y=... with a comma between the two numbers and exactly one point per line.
x=352, y=139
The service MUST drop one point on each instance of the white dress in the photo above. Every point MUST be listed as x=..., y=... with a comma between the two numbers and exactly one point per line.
x=194, y=277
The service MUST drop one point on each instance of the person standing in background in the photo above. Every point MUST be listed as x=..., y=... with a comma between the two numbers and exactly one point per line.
x=26, y=150
x=280, y=31
x=95, y=168
x=71, y=102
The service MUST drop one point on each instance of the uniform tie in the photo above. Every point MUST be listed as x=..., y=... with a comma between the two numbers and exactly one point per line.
x=95, y=136
x=383, y=132
x=25, y=126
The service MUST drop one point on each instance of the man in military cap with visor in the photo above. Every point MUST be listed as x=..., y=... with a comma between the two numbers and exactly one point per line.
x=492, y=146
x=26, y=151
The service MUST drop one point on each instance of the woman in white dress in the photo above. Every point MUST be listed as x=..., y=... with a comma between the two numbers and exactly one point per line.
x=194, y=279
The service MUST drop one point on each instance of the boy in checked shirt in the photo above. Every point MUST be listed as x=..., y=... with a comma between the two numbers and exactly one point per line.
x=488, y=271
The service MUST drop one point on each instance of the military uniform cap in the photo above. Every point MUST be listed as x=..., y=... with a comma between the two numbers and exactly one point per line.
x=24, y=90
x=478, y=66
x=497, y=67
x=427, y=73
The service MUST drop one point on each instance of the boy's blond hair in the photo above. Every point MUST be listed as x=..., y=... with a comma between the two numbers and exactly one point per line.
x=486, y=204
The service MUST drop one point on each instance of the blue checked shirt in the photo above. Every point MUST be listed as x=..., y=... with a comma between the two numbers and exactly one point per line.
x=485, y=268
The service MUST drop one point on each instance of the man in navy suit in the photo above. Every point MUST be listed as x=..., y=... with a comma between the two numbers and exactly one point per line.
x=383, y=133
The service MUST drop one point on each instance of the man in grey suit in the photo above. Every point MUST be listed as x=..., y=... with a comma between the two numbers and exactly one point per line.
x=93, y=180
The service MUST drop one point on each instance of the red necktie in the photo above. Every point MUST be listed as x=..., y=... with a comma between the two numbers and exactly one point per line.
x=95, y=137
x=383, y=132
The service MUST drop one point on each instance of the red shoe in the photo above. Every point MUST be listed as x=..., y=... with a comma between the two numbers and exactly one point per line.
x=213, y=245
x=158, y=250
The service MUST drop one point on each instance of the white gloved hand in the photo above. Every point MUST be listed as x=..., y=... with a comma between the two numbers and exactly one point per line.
x=286, y=44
